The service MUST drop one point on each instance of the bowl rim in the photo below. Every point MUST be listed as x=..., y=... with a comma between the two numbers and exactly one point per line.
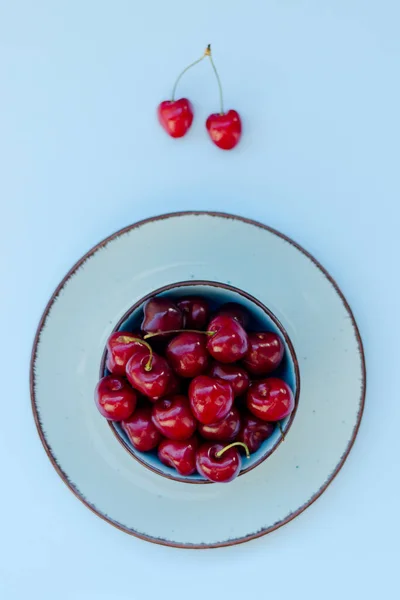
x=32, y=378
x=214, y=284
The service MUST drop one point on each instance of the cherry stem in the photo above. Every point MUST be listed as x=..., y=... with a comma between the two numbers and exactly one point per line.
x=221, y=97
x=281, y=430
x=156, y=333
x=220, y=452
x=193, y=64
x=149, y=363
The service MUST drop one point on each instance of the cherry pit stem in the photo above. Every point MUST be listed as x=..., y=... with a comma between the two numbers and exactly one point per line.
x=149, y=363
x=281, y=430
x=193, y=64
x=156, y=333
x=221, y=97
x=207, y=52
x=220, y=452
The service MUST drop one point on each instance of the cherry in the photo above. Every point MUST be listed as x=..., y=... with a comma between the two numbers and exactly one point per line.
x=161, y=314
x=187, y=354
x=229, y=342
x=254, y=431
x=115, y=398
x=236, y=311
x=233, y=374
x=173, y=418
x=225, y=430
x=210, y=399
x=224, y=128
x=218, y=463
x=195, y=312
x=120, y=347
x=265, y=353
x=270, y=399
x=149, y=373
x=175, y=116
x=140, y=429
x=181, y=455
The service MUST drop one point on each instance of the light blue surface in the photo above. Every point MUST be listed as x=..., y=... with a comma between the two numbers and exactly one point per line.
x=81, y=155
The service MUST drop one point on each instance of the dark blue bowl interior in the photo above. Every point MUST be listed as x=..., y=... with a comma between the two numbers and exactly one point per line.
x=261, y=320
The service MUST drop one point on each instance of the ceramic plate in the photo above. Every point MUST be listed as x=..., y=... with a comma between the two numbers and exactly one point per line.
x=91, y=300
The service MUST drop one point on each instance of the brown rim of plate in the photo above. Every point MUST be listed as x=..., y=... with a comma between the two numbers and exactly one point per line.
x=64, y=476
x=274, y=319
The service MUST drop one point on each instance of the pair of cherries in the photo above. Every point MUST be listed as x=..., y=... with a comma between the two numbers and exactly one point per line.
x=206, y=392
x=176, y=116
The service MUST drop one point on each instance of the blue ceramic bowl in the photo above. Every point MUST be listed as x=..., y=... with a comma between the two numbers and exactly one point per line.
x=262, y=319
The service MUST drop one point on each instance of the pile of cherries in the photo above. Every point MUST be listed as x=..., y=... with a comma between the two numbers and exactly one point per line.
x=195, y=387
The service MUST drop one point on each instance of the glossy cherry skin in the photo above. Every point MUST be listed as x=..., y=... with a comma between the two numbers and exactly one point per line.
x=121, y=345
x=254, y=431
x=180, y=455
x=225, y=129
x=187, y=354
x=173, y=418
x=270, y=399
x=225, y=430
x=210, y=399
x=219, y=470
x=161, y=314
x=229, y=342
x=175, y=116
x=140, y=429
x=233, y=374
x=115, y=398
x=236, y=311
x=195, y=312
x=154, y=383
x=265, y=353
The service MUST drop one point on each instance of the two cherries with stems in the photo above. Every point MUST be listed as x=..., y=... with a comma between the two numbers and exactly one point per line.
x=176, y=116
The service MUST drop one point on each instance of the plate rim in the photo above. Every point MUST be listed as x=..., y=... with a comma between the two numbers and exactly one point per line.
x=164, y=542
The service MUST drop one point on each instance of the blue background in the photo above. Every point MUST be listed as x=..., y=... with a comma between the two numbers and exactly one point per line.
x=81, y=155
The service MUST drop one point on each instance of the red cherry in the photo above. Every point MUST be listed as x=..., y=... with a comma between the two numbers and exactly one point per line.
x=181, y=455
x=219, y=469
x=254, y=431
x=265, y=353
x=210, y=399
x=270, y=399
x=175, y=116
x=225, y=430
x=236, y=311
x=229, y=342
x=225, y=129
x=121, y=345
x=115, y=398
x=140, y=429
x=187, y=354
x=173, y=418
x=161, y=314
x=195, y=312
x=149, y=373
x=233, y=374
